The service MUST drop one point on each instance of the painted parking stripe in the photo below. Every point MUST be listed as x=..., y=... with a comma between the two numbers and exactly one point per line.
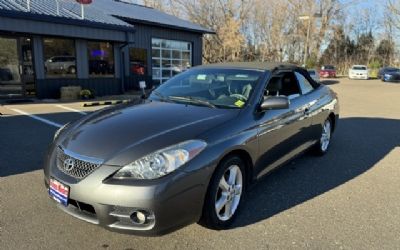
x=71, y=109
x=38, y=118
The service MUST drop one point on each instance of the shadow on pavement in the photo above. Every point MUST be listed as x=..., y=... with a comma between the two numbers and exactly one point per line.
x=358, y=144
x=24, y=141
x=330, y=82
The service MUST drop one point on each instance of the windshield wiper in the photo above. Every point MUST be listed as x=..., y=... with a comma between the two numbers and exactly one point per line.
x=161, y=96
x=192, y=100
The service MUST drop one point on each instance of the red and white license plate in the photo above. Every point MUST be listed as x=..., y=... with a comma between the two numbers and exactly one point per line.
x=59, y=192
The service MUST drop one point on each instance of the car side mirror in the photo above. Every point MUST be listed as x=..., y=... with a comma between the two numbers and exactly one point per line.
x=275, y=102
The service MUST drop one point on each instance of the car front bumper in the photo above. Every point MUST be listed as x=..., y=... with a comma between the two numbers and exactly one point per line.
x=391, y=79
x=359, y=76
x=169, y=203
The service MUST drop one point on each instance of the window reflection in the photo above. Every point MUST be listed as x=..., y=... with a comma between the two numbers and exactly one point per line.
x=138, y=61
x=101, y=59
x=59, y=56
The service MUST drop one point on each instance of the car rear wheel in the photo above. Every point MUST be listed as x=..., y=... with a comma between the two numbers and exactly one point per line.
x=324, y=142
x=71, y=70
x=225, y=194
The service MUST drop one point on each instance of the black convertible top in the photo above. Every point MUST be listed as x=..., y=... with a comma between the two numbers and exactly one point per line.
x=251, y=65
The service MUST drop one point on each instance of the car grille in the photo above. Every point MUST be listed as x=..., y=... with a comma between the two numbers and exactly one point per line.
x=74, y=165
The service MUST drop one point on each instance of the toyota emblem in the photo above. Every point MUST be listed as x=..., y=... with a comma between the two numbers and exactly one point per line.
x=69, y=164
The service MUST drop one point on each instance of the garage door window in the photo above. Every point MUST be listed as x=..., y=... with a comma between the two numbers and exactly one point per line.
x=169, y=58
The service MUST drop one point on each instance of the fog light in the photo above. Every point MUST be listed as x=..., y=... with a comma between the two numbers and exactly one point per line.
x=139, y=217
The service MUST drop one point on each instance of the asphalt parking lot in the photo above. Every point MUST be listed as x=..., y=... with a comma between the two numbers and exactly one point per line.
x=348, y=199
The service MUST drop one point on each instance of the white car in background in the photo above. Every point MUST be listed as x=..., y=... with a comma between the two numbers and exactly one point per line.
x=314, y=75
x=358, y=72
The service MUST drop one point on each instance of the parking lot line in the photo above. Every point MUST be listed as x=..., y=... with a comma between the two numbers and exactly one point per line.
x=71, y=109
x=37, y=118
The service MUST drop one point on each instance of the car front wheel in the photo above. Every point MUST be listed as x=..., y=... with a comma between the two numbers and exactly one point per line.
x=225, y=194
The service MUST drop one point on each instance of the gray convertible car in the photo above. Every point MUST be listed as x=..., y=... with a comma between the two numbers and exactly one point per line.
x=190, y=151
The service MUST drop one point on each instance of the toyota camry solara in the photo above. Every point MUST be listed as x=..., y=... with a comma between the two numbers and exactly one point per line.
x=189, y=152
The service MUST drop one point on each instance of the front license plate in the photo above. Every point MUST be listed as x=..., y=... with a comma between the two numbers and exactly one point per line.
x=59, y=192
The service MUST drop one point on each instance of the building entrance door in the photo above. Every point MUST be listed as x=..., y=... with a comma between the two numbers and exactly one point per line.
x=16, y=67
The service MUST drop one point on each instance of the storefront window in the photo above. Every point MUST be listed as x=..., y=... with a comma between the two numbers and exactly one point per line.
x=59, y=56
x=101, y=59
x=138, y=61
x=170, y=58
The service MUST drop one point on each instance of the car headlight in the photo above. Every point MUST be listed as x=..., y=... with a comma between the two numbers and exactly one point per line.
x=161, y=162
x=57, y=133
x=387, y=76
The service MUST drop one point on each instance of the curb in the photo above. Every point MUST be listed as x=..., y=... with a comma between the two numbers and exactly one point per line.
x=92, y=104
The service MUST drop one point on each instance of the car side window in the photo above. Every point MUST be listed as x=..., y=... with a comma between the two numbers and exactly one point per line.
x=305, y=85
x=283, y=85
x=290, y=86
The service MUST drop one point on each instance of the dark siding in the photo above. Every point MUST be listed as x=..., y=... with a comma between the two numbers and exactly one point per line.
x=50, y=88
x=142, y=38
x=144, y=34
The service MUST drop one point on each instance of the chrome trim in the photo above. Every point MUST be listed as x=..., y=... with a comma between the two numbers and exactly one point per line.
x=88, y=159
x=79, y=166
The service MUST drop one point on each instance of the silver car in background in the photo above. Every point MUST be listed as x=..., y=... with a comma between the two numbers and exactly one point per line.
x=189, y=152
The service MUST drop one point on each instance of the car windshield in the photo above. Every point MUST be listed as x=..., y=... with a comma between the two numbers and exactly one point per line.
x=359, y=68
x=392, y=70
x=328, y=67
x=311, y=72
x=215, y=88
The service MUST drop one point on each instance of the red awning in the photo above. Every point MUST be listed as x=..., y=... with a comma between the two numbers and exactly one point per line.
x=84, y=1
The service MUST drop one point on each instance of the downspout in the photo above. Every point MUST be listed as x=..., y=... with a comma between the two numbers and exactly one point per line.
x=122, y=60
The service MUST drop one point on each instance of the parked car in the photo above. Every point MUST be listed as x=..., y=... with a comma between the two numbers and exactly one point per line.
x=328, y=71
x=391, y=76
x=386, y=70
x=358, y=72
x=190, y=151
x=61, y=64
x=314, y=75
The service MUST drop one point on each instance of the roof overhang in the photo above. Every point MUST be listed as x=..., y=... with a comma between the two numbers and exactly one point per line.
x=133, y=21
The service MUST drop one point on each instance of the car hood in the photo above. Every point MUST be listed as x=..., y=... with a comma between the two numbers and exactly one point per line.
x=393, y=73
x=120, y=135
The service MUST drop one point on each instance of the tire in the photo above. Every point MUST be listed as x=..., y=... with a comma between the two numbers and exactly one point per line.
x=234, y=197
x=72, y=70
x=322, y=146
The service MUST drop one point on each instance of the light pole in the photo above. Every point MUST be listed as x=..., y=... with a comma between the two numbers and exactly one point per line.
x=308, y=18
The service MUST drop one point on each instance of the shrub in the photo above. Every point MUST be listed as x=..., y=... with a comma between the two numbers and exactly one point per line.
x=86, y=94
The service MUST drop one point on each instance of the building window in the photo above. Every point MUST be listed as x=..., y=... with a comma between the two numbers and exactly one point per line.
x=59, y=56
x=138, y=61
x=101, y=59
x=169, y=58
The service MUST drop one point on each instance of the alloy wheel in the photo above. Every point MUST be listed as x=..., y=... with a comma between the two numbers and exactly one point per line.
x=229, y=193
x=326, y=135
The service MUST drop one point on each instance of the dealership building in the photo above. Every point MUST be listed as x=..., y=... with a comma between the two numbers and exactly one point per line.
x=106, y=46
